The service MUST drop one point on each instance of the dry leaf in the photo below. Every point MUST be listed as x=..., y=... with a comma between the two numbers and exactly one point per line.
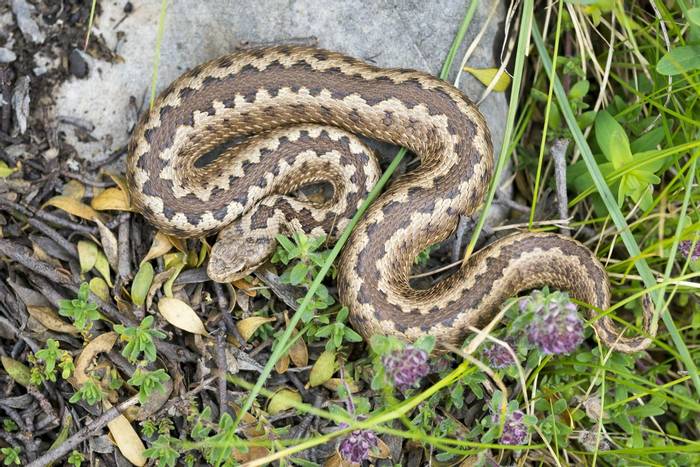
x=243, y=285
x=334, y=383
x=161, y=245
x=299, y=353
x=126, y=438
x=248, y=326
x=74, y=189
x=72, y=206
x=323, y=369
x=102, y=343
x=181, y=315
x=17, y=370
x=50, y=319
x=282, y=400
x=87, y=254
x=158, y=281
x=112, y=199
x=100, y=288
x=109, y=244
x=178, y=243
x=102, y=266
x=486, y=75
x=282, y=364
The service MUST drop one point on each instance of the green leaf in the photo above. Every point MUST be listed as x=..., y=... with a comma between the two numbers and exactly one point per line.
x=579, y=90
x=612, y=139
x=141, y=284
x=694, y=16
x=648, y=141
x=679, y=60
x=298, y=273
x=644, y=411
x=5, y=170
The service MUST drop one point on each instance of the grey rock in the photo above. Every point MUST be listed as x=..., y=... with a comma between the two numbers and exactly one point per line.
x=7, y=55
x=77, y=65
x=395, y=33
x=25, y=13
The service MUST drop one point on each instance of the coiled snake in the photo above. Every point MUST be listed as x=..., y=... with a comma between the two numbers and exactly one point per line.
x=296, y=110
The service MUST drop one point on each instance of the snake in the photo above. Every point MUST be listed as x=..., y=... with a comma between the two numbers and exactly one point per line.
x=226, y=148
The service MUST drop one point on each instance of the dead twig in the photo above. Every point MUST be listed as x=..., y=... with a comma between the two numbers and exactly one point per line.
x=558, y=152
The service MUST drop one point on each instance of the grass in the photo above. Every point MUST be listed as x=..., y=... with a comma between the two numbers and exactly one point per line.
x=582, y=72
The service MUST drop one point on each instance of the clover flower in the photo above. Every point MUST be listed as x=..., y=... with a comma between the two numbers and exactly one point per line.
x=357, y=446
x=406, y=367
x=499, y=356
x=556, y=327
x=514, y=429
x=685, y=246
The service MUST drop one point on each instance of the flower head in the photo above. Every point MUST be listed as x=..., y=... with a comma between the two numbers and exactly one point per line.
x=499, y=356
x=406, y=367
x=357, y=446
x=556, y=327
x=514, y=429
x=685, y=246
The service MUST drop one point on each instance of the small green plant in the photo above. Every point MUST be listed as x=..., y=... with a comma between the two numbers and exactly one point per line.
x=302, y=260
x=89, y=392
x=80, y=310
x=76, y=459
x=338, y=331
x=139, y=340
x=11, y=456
x=9, y=425
x=52, y=358
x=163, y=451
x=148, y=382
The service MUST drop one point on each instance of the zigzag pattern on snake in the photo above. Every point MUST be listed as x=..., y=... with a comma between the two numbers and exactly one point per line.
x=296, y=111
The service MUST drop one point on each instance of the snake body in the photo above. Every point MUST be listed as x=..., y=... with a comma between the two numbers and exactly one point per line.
x=297, y=110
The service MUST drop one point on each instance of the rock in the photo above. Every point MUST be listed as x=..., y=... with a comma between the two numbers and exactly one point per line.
x=25, y=12
x=398, y=33
x=77, y=65
x=7, y=55
x=20, y=102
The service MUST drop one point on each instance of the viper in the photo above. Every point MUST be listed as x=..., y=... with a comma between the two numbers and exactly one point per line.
x=227, y=146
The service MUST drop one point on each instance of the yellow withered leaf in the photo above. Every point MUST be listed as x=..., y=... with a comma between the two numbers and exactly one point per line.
x=323, y=369
x=248, y=326
x=99, y=287
x=17, y=370
x=160, y=246
x=112, y=199
x=5, y=170
x=126, y=438
x=282, y=364
x=87, y=254
x=334, y=383
x=74, y=189
x=282, y=400
x=102, y=343
x=109, y=244
x=486, y=75
x=73, y=206
x=181, y=315
x=48, y=318
x=102, y=266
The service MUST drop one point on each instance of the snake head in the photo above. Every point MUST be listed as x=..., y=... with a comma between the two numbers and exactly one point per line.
x=236, y=255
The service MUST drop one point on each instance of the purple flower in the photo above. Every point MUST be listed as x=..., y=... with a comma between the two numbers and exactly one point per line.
x=357, y=446
x=499, y=356
x=514, y=429
x=406, y=367
x=685, y=246
x=556, y=327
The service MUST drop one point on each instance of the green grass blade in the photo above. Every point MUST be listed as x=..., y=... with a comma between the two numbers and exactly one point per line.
x=156, y=57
